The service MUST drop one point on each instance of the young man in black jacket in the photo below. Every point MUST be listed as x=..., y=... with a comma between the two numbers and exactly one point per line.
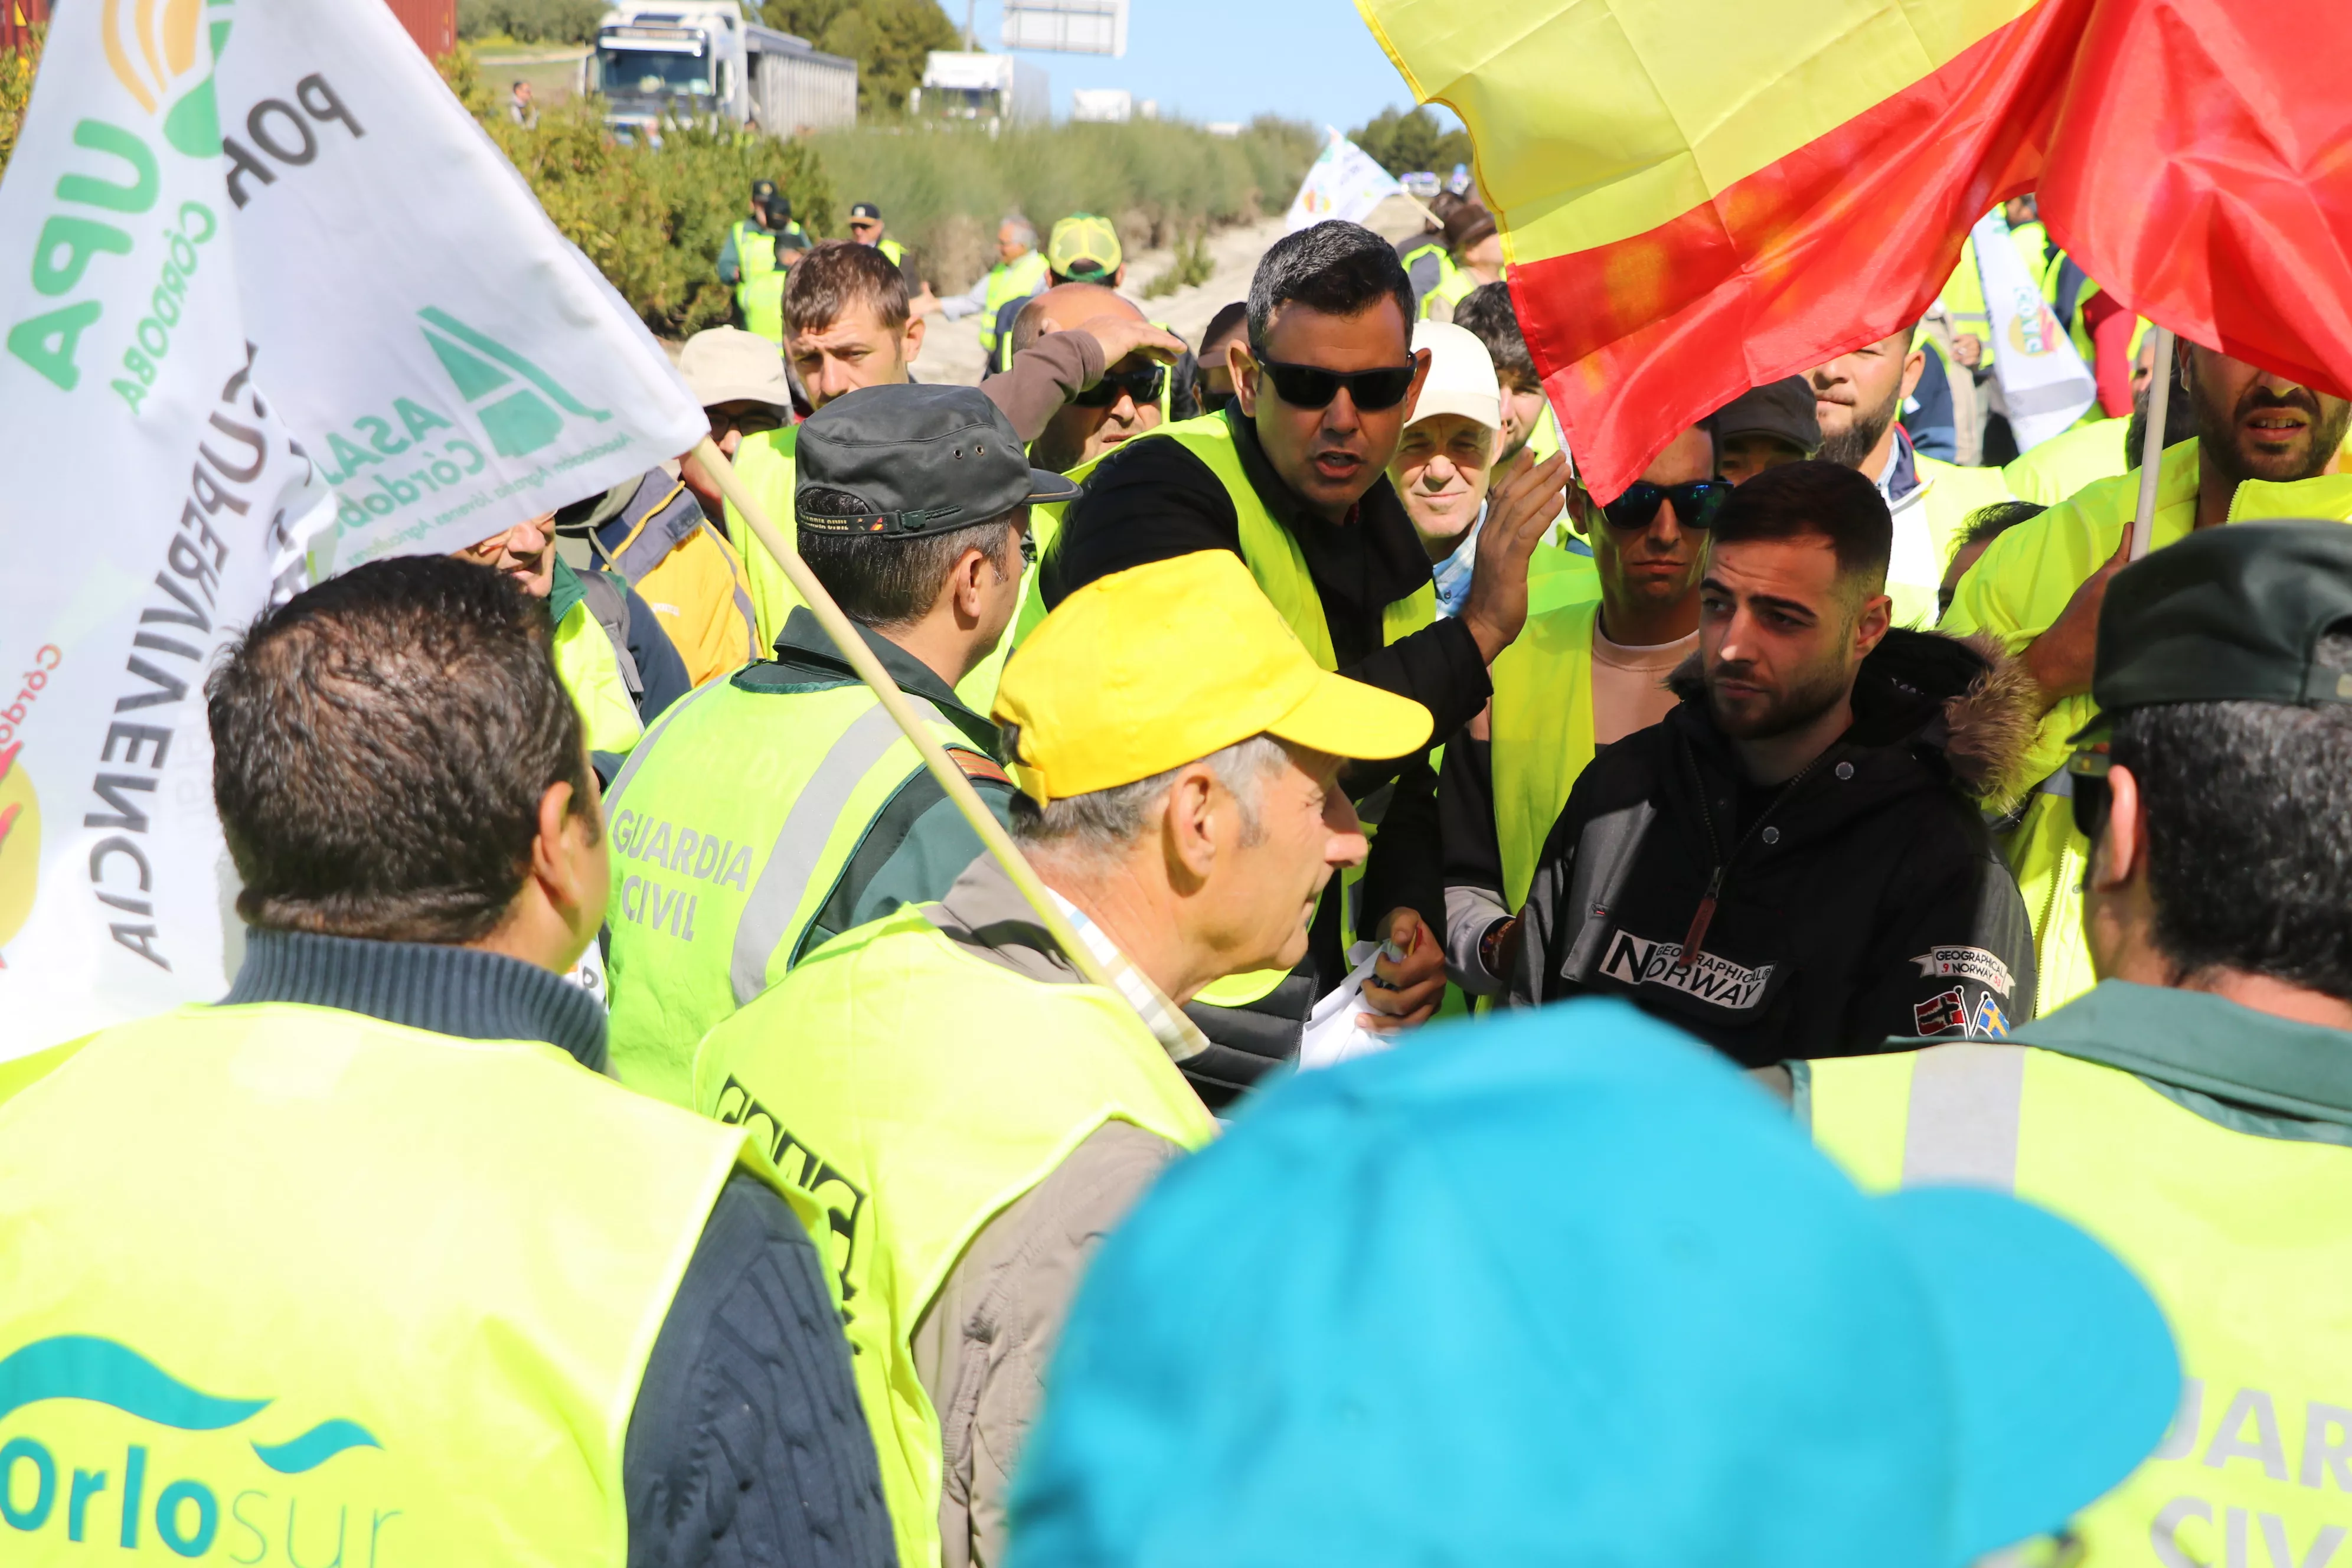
x=1793, y=863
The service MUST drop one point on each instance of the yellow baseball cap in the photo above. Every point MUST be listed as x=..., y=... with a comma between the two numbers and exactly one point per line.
x=1146, y=669
x=1083, y=248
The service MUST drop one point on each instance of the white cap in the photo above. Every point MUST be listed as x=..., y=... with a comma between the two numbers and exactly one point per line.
x=728, y=364
x=1460, y=376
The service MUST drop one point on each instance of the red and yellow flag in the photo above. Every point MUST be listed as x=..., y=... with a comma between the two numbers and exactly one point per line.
x=1698, y=196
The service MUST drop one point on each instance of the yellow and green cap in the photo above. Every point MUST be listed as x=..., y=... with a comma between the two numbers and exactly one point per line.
x=1146, y=669
x=1083, y=248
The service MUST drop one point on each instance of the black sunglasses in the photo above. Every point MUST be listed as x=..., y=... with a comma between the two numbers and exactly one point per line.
x=751, y=421
x=2086, y=781
x=1143, y=385
x=1310, y=387
x=1695, y=503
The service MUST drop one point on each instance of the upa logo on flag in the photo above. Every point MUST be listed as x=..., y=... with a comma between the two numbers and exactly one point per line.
x=152, y=50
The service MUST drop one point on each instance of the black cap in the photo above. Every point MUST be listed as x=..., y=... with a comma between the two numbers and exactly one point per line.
x=2228, y=615
x=1782, y=408
x=763, y=191
x=865, y=210
x=914, y=459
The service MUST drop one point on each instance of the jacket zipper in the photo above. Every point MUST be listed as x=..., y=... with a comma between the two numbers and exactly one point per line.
x=1696, y=937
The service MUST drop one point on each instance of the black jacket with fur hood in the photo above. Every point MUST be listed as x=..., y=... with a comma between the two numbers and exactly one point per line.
x=1861, y=901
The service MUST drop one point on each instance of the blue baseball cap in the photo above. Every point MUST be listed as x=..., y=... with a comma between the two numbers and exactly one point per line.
x=1567, y=1290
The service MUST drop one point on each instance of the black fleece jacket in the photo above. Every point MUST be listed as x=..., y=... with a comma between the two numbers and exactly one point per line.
x=747, y=1445
x=1861, y=900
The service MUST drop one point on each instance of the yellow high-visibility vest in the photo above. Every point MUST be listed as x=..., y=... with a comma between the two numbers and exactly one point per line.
x=284, y=1277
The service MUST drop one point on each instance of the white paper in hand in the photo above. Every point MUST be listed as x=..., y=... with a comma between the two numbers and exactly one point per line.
x=1332, y=1034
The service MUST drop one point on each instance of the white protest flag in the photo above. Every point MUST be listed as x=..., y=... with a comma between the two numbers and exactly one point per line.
x=451, y=363
x=151, y=501
x=354, y=260
x=2043, y=382
x=1343, y=182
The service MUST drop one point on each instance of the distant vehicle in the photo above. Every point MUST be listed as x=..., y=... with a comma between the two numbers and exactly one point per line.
x=1114, y=105
x=700, y=60
x=993, y=87
x=1420, y=184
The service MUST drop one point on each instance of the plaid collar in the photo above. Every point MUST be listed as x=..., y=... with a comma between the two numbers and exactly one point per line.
x=1157, y=1012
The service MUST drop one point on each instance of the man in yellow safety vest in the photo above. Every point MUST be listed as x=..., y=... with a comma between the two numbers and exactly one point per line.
x=1292, y=480
x=758, y=254
x=781, y=807
x=2265, y=448
x=611, y=655
x=371, y=1252
x=971, y=1113
x=1019, y=272
x=851, y=324
x=2194, y=1111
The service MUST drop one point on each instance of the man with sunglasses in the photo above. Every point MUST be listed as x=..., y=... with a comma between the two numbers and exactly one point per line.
x=781, y=807
x=2194, y=1111
x=1580, y=677
x=1130, y=398
x=1292, y=480
x=1794, y=863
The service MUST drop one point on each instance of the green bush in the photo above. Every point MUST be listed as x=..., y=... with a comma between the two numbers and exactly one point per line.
x=944, y=188
x=16, y=73
x=652, y=219
x=530, y=21
x=1402, y=143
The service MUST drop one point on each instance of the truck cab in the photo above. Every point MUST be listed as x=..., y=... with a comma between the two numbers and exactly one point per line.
x=681, y=59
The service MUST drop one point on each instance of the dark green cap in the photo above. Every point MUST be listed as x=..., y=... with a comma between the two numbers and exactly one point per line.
x=2228, y=615
x=894, y=460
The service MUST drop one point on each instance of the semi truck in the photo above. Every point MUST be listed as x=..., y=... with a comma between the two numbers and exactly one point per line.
x=990, y=88
x=700, y=60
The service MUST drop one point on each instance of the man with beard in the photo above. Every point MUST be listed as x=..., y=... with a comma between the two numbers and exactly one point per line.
x=1793, y=863
x=2265, y=448
x=1856, y=397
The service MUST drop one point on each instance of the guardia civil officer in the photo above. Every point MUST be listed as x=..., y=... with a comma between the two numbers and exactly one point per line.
x=2194, y=1108
x=371, y=1252
x=781, y=807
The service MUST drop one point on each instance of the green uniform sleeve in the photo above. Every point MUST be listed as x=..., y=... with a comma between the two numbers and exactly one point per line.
x=920, y=843
x=731, y=265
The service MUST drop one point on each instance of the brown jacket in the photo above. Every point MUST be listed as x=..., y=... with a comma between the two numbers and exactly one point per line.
x=982, y=1346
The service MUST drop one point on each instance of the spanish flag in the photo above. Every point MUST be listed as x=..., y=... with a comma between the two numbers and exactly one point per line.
x=1698, y=196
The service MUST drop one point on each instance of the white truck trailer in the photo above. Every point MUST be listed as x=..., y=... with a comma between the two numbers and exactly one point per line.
x=992, y=88
x=700, y=60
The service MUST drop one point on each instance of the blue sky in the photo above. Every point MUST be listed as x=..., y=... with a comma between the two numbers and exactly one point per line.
x=1230, y=59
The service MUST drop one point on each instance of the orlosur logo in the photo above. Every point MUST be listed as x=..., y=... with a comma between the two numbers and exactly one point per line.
x=42, y=1490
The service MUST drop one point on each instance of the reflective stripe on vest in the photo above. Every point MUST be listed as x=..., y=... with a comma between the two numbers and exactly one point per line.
x=2242, y=1238
x=407, y=1282
x=591, y=671
x=915, y=1089
x=1015, y=280
x=1541, y=727
x=1273, y=559
x=728, y=833
x=777, y=897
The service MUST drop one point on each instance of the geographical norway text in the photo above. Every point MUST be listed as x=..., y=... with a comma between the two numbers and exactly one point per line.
x=1964, y=964
x=1637, y=960
x=120, y=1496
x=410, y=455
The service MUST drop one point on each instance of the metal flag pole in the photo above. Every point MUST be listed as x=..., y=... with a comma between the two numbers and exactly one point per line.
x=852, y=648
x=2151, y=450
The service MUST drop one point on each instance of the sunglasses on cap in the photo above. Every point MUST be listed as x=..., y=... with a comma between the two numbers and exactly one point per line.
x=1143, y=384
x=2086, y=782
x=1311, y=387
x=1695, y=503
